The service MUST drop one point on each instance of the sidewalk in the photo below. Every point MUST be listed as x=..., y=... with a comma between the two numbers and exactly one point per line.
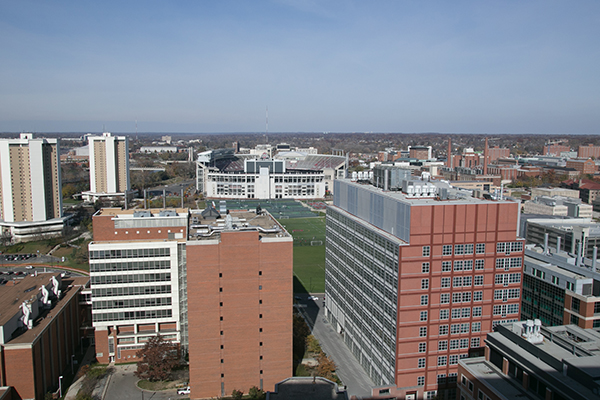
x=90, y=357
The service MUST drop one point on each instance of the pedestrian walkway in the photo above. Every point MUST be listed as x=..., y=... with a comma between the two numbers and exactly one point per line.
x=88, y=358
x=349, y=370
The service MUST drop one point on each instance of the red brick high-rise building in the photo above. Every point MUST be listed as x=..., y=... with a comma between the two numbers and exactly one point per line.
x=416, y=279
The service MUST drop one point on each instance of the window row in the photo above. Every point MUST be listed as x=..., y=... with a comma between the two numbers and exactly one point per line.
x=131, y=291
x=131, y=315
x=506, y=263
x=135, y=278
x=131, y=303
x=457, y=344
x=507, y=278
x=130, y=266
x=459, y=328
x=129, y=253
x=463, y=312
x=459, y=249
x=505, y=309
x=505, y=294
x=509, y=247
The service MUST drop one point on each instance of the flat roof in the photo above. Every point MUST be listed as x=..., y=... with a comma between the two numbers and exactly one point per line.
x=265, y=224
x=494, y=379
x=120, y=213
x=12, y=296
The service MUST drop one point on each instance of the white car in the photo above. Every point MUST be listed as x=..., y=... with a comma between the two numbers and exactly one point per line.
x=185, y=390
x=29, y=267
x=314, y=298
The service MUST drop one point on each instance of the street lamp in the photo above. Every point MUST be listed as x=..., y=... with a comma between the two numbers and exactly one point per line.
x=60, y=386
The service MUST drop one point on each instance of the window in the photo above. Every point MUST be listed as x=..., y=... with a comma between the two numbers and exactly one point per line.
x=458, y=265
x=475, y=342
x=466, y=297
x=476, y=311
x=423, y=316
x=467, y=280
x=421, y=363
x=574, y=319
x=442, y=345
x=465, y=312
x=571, y=286
x=480, y=248
x=469, y=248
x=446, y=266
x=425, y=267
x=441, y=379
x=555, y=280
x=422, y=347
x=447, y=250
x=445, y=282
x=443, y=329
x=456, y=297
x=425, y=283
x=575, y=304
x=464, y=343
x=445, y=298
x=430, y=395
x=454, y=344
x=479, y=264
x=468, y=265
x=452, y=377
x=426, y=251
x=459, y=249
x=424, y=299
x=464, y=328
x=442, y=360
x=420, y=381
x=455, y=313
x=444, y=314
x=423, y=331
x=597, y=307
x=454, y=329
x=477, y=296
x=478, y=280
x=457, y=281
x=453, y=359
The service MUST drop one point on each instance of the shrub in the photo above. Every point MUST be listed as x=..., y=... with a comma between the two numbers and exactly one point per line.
x=255, y=393
x=237, y=394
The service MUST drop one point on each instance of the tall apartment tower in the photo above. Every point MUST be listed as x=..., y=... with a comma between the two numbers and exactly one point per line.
x=109, y=166
x=416, y=278
x=30, y=179
x=221, y=288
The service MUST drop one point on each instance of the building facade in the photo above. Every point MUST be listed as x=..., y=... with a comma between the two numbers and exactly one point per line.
x=109, y=166
x=411, y=279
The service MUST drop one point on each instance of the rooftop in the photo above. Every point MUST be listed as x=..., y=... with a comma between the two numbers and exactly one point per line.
x=12, y=296
x=206, y=228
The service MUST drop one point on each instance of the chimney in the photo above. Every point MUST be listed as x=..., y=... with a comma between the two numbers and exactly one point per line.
x=594, y=259
x=485, y=157
x=449, y=161
x=164, y=198
x=558, y=243
x=546, y=243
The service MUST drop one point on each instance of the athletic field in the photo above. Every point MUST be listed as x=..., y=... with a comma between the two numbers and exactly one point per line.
x=309, y=261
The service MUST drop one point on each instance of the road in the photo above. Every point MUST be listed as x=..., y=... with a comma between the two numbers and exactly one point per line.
x=122, y=386
x=349, y=370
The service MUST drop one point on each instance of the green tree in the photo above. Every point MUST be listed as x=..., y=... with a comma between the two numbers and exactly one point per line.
x=255, y=393
x=157, y=359
x=237, y=394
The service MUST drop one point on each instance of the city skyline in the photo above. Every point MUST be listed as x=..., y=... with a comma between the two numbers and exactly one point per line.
x=337, y=67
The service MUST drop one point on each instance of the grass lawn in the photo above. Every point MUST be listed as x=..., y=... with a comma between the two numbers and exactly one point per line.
x=44, y=246
x=309, y=261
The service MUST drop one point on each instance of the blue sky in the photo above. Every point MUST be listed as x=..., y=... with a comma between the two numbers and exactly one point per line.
x=337, y=66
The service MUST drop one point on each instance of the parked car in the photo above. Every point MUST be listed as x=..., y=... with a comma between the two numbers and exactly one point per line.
x=29, y=267
x=185, y=390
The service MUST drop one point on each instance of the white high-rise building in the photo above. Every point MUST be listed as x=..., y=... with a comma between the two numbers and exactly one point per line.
x=109, y=166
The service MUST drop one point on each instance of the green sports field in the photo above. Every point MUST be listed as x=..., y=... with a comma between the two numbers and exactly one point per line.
x=309, y=261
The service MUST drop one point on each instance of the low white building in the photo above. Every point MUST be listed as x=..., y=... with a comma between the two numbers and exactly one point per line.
x=557, y=205
x=290, y=175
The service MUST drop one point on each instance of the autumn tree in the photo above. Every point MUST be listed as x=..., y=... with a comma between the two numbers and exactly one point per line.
x=326, y=367
x=157, y=359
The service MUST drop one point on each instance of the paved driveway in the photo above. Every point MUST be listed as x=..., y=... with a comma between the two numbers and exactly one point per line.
x=122, y=386
x=349, y=370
